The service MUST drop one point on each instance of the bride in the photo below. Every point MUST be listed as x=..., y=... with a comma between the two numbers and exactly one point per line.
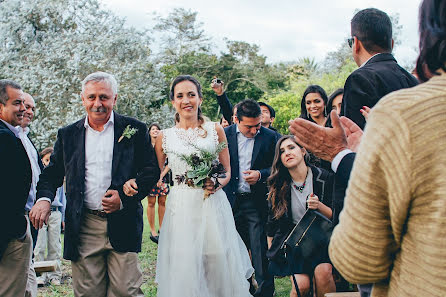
x=200, y=253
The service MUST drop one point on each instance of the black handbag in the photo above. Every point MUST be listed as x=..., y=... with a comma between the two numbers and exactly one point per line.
x=306, y=240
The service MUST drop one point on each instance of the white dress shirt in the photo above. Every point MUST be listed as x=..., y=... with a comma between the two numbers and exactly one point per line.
x=98, y=162
x=245, y=148
x=338, y=158
x=33, y=159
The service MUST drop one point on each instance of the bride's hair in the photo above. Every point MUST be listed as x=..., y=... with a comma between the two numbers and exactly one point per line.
x=177, y=80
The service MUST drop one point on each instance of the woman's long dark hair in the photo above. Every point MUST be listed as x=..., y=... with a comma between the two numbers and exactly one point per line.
x=303, y=108
x=177, y=80
x=279, y=180
x=432, y=27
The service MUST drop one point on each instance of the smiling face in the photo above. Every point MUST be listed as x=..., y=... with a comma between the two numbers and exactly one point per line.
x=336, y=104
x=98, y=99
x=12, y=112
x=291, y=155
x=186, y=100
x=154, y=131
x=30, y=107
x=314, y=105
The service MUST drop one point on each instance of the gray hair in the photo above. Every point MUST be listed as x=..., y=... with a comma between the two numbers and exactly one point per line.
x=4, y=83
x=101, y=76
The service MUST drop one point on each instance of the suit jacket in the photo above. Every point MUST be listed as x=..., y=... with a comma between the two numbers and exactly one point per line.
x=15, y=182
x=342, y=177
x=132, y=158
x=262, y=159
x=226, y=107
x=380, y=76
x=323, y=182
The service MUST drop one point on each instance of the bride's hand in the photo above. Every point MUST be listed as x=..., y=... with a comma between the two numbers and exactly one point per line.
x=130, y=187
x=209, y=186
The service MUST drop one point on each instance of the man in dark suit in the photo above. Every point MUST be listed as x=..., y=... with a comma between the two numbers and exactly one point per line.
x=378, y=73
x=15, y=182
x=251, y=150
x=229, y=111
x=103, y=226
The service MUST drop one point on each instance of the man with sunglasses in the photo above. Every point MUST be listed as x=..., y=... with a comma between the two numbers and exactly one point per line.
x=378, y=73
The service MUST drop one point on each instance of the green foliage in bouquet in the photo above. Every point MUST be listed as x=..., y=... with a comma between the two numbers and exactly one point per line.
x=204, y=165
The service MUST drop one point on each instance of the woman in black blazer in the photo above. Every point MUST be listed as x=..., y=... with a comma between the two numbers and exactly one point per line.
x=294, y=187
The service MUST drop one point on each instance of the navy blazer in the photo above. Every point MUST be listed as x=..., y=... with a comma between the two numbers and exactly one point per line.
x=342, y=177
x=380, y=76
x=132, y=158
x=15, y=182
x=323, y=183
x=262, y=159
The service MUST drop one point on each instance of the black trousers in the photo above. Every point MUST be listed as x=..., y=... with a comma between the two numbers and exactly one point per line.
x=251, y=227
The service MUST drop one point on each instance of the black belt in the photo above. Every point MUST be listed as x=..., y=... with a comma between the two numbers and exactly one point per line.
x=54, y=208
x=99, y=213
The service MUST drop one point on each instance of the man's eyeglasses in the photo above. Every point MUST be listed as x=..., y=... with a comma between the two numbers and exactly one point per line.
x=350, y=41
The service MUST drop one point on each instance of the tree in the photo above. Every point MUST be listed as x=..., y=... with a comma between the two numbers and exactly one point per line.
x=287, y=103
x=181, y=34
x=50, y=46
x=185, y=49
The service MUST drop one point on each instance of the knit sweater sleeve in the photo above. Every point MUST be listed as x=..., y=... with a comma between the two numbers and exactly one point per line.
x=364, y=243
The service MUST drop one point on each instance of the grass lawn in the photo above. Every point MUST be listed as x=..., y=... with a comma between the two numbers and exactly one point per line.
x=147, y=259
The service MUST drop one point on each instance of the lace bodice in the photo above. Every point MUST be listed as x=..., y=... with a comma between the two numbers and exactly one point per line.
x=178, y=141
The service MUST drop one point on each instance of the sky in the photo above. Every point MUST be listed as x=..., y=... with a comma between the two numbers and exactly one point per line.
x=285, y=30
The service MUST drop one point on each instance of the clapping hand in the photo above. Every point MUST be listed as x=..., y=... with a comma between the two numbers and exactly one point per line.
x=353, y=133
x=323, y=142
x=365, y=110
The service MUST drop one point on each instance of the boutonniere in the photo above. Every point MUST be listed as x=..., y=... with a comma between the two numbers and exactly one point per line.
x=128, y=132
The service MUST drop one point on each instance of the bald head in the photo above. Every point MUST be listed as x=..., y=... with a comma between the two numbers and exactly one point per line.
x=30, y=106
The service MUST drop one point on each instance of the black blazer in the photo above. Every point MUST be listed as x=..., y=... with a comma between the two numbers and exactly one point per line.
x=226, y=107
x=262, y=159
x=380, y=76
x=132, y=158
x=15, y=182
x=342, y=177
x=323, y=182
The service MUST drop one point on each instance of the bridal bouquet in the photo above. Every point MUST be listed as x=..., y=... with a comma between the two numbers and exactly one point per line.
x=205, y=166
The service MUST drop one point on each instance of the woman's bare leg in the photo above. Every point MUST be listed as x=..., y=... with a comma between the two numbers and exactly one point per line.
x=323, y=279
x=151, y=200
x=161, y=208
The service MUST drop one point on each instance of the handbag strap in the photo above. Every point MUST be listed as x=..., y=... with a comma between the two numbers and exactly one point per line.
x=296, y=286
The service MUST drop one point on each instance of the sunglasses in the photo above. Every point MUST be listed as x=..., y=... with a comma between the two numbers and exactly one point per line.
x=350, y=41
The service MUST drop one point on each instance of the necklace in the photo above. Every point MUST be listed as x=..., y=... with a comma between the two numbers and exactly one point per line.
x=301, y=187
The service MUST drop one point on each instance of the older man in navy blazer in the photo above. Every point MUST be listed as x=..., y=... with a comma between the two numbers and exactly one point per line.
x=103, y=225
x=251, y=150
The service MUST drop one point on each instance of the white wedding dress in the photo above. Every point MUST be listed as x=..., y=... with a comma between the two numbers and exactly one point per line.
x=200, y=253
